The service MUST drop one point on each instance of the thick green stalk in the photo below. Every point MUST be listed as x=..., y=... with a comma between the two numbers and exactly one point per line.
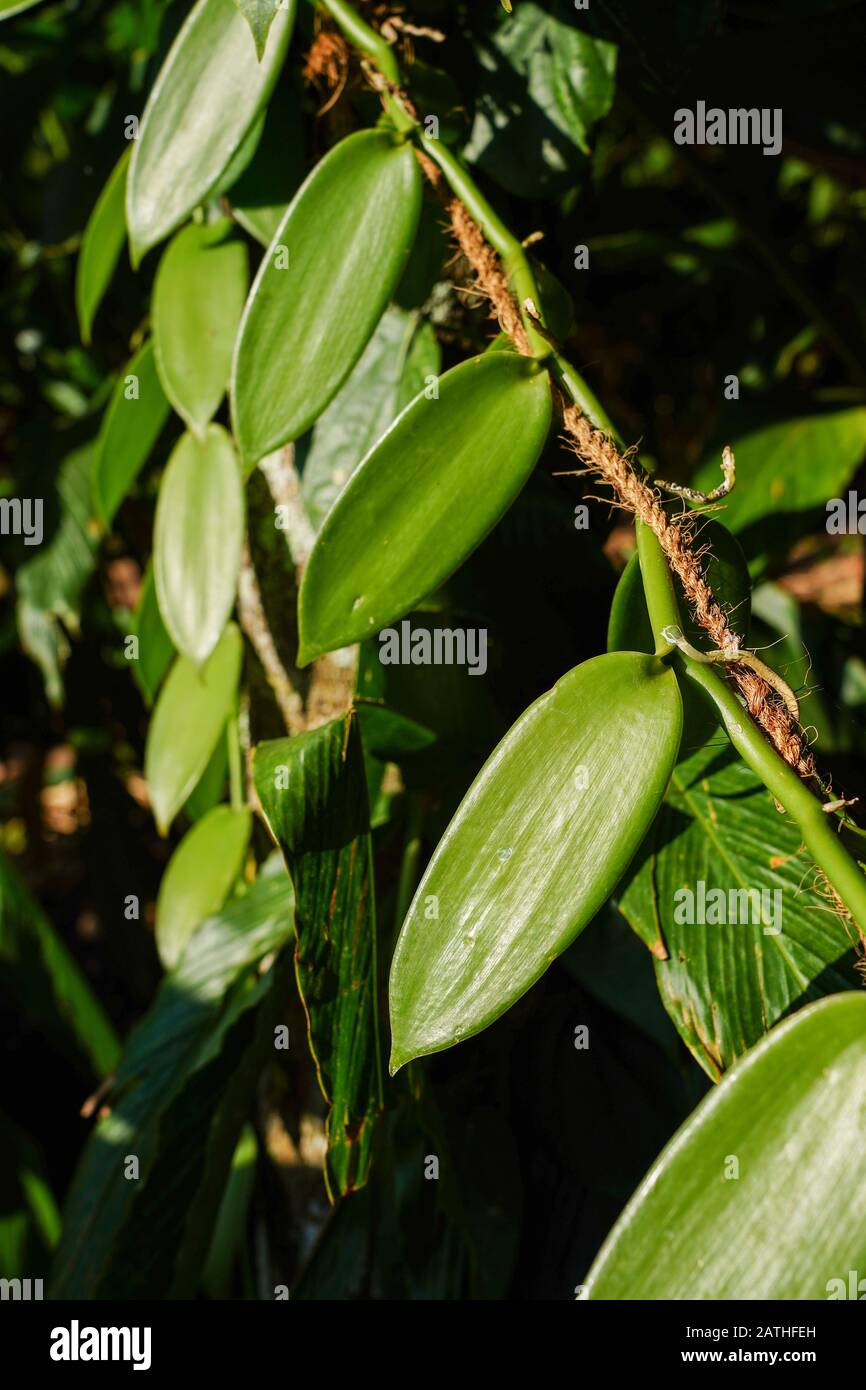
x=817, y=828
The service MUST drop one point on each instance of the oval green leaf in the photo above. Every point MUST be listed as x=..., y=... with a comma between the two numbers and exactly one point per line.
x=198, y=299
x=189, y=717
x=101, y=246
x=793, y=1223
x=322, y=287
x=136, y=413
x=422, y=500
x=207, y=95
x=199, y=877
x=197, y=540
x=536, y=846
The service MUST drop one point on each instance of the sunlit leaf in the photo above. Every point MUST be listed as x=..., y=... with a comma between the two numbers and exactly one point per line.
x=536, y=846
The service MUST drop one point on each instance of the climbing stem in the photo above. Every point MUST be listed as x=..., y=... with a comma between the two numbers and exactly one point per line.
x=817, y=828
x=819, y=836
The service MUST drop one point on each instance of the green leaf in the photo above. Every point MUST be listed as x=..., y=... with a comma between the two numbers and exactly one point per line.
x=184, y=1087
x=231, y=1223
x=543, y=85
x=793, y=1218
x=393, y=368
x=199, y=877
x=260, y=197
x=313, y=793
x=133, y=419
x=198, y=298
x=210, y=788
x=198, y=538
x=207, y=96
x=10, y=7
x=322, y=287
x=423, y=499
x=155, y=647
x=189, y=717
x=50, y=585
x=791, y=467
x=726, y=982
x=39, y=978
x=259, y=15
x=536, y=846
x=101, y=246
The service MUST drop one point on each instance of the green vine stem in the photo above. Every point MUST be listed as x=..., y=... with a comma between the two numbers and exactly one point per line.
x=819, y=836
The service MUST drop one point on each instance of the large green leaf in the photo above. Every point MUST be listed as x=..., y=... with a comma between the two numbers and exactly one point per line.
x=762, y=1193
x=198, y=298
x=136, y=413
x=536, y=846
x=313, y=792
x=50, y=585
x=183, y=1089
x=726, y=982
x=424, y=498
x=101, y=246
x=199, y=876
x=791, y=467
x=198, y=538
x=322, y=287
x=543, y=84
x=207, y=96
x=39, y=977
x=189, y=717
x=393, y=368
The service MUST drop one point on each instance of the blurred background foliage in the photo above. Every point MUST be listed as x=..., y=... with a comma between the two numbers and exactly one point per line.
x=703, y=263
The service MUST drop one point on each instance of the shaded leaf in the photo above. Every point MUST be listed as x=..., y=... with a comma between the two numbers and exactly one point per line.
x=189, y=717
x=536, y=846
x=393, y=368
x=39, y=977
x=207, y=96
x=794, y=1220
x=543, y=86
x=155, y=647
x=313, y=792
x=184, y=1086
x=260, y=197
x=726, y=982
x=199, y=877
x=423, y=499
x=50, y=585
x=198, y=538
x=322, y=287
x=130, y=427
x=198, y=298
x=101, y=246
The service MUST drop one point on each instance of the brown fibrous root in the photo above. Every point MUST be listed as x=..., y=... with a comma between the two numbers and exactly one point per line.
x=603, y=459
